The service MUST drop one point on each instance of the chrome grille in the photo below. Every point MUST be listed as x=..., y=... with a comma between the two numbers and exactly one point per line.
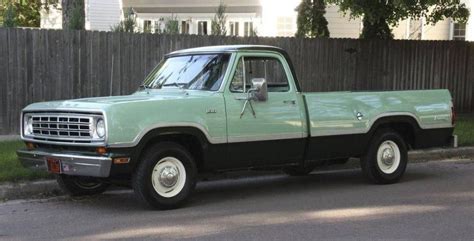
x=64, y=127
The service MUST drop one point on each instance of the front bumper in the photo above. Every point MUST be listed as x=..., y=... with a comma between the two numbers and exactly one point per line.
x=71, y=163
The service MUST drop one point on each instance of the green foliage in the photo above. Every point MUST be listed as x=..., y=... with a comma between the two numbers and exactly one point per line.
x=28, y=13
x=10, y=167
x=21, y=13
x=73, y=14
x=9, y=17
x=465, y=130
x=171, y=25
x=77, y=20
x=379, y=15
x=311, y=21
x=128, y=24
x=2, y=11
x=218, y=23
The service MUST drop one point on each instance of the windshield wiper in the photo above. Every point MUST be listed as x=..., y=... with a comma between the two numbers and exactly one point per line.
x=179, y=85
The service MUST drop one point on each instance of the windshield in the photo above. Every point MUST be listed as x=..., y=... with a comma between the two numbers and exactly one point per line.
x=194, y=72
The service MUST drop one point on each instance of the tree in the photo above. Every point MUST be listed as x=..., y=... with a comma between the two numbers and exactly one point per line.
x=28, y=13
x=9, y=19
x=379, y=16
x=171, y=25
x=73, y=14
x=21, y=13
x=128, y=24
x=2, y=11
x=311, y=21
x=218, y=23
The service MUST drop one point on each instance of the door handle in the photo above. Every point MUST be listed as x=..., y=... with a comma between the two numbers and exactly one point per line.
x=293, y=102
x=359, y=116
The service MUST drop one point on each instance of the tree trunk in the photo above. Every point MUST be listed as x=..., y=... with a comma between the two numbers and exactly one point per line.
x=73, y=14
x=376, y=30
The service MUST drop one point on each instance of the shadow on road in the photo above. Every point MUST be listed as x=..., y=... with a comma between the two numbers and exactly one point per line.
x=211, y=193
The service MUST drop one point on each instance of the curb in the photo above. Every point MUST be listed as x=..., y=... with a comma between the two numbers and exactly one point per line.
x=439, y=154
x=48, y=188
x=29, y=189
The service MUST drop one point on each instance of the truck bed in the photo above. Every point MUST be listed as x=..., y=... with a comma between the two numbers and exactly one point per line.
x=333, y=117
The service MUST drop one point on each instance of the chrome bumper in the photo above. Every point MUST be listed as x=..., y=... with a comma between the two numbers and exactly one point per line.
x=71, y=164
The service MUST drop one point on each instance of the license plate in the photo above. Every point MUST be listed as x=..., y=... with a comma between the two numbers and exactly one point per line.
x=54, y=165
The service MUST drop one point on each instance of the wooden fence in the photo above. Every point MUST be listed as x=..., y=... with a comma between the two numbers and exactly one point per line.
x=42, y=65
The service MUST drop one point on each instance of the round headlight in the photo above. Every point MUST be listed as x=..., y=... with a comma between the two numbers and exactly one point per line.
x=100, y=128
x=29, y=126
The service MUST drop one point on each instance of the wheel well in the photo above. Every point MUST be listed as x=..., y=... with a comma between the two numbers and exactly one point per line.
x=188, y=141
x=404, y=128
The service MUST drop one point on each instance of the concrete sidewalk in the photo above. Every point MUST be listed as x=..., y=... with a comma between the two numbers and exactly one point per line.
x=46, y=188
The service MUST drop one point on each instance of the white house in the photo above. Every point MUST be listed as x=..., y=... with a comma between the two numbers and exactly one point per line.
x=443, y=30
x=100, y=15
x=244, y=17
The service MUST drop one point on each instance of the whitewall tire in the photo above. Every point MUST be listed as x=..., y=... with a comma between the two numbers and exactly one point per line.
x=165, y=177
x=386, y=158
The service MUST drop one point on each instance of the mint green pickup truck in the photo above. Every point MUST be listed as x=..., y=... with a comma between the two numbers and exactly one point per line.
x=224, y=108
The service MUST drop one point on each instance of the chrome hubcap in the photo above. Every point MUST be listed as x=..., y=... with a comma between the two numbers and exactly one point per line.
x=388, y=157
x=168, y=176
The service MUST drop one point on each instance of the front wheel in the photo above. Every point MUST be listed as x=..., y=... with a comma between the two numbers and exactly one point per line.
x=81, y=186
x=165, y=177
x=386, y=159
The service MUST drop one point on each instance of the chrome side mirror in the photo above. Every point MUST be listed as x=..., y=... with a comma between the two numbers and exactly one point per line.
x=259, y=89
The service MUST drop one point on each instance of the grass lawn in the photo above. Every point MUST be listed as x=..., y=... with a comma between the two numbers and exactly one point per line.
x=11, y=169
x=465, y=130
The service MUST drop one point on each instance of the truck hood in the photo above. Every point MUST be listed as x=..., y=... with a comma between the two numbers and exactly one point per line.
x=103, y=103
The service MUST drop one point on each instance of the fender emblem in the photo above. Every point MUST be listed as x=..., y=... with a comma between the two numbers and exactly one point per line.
x=211, y=111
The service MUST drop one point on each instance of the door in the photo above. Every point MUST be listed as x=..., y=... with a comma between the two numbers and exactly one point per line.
x=264, y=133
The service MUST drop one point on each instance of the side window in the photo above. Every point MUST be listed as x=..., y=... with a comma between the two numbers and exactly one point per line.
x=271, y=69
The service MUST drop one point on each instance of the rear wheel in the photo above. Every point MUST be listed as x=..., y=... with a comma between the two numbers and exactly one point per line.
x=165, y=177
x=386, y=159
x=81, y=186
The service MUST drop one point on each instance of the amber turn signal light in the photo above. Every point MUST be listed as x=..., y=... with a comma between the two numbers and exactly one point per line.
x=121, y=160
x=30, y=146
x=101, y=150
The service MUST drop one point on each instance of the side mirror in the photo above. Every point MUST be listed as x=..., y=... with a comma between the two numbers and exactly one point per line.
x=259, y=85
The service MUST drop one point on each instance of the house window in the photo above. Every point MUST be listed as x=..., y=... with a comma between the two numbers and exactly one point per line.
x=416, y=27
x=285, y=26
x=158, y=26
x=459, y=31
x=234, y=28
x=202, y=28
x=147, y=26
x=248, y=29
x=184, y=27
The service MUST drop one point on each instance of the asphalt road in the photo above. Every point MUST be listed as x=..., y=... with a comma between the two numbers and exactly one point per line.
x=434, y=201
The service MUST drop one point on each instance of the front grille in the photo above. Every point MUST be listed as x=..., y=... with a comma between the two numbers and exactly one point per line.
x=64, y=127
